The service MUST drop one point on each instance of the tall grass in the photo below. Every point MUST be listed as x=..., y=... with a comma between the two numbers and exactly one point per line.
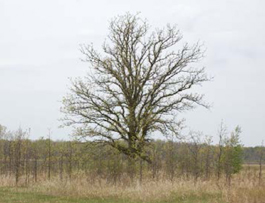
x=244, y=188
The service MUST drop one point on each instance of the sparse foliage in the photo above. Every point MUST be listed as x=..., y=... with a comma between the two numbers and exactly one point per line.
x=137, y=86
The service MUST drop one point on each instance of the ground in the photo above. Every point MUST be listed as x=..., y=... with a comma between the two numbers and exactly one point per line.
x=22, y=195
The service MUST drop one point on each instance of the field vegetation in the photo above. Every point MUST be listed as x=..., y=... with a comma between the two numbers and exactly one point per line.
x=182, y=171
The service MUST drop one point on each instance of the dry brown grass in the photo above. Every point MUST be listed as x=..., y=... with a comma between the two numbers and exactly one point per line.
x=244, y=189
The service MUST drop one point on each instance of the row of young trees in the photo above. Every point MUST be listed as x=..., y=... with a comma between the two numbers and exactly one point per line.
x=43, y=159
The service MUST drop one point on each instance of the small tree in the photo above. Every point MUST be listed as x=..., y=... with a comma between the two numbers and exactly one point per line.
x=208, y=156
x=49, y=143
x=137, y=86
x=18, y=139
x=3, y=131
x=195, y=146
x=222, y=133
x=36, y=153
x=233, y=154
x=261, y=157
x=171, y=152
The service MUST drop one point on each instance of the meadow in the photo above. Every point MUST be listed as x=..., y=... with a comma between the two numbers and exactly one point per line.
x=245, y=188
x=72, y=171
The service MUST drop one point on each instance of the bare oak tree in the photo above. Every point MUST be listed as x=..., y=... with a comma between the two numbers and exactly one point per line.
x=137, y=86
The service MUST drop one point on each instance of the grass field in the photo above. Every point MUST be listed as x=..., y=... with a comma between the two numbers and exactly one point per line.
x=22, y=195
x=245, y=188
x=12, y=195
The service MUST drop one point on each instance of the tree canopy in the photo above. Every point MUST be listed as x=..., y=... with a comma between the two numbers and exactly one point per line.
x=137, y=85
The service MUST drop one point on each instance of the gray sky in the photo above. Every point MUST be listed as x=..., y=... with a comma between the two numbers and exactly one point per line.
x=39, y=51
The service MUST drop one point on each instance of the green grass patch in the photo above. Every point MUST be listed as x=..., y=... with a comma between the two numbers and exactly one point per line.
x=195, y=198
x=22, y=195
x=17, y=195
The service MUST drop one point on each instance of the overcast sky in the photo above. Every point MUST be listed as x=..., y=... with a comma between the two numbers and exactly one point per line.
x=39, y=51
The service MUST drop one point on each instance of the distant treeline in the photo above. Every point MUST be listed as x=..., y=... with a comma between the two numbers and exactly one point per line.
x=251, y=155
